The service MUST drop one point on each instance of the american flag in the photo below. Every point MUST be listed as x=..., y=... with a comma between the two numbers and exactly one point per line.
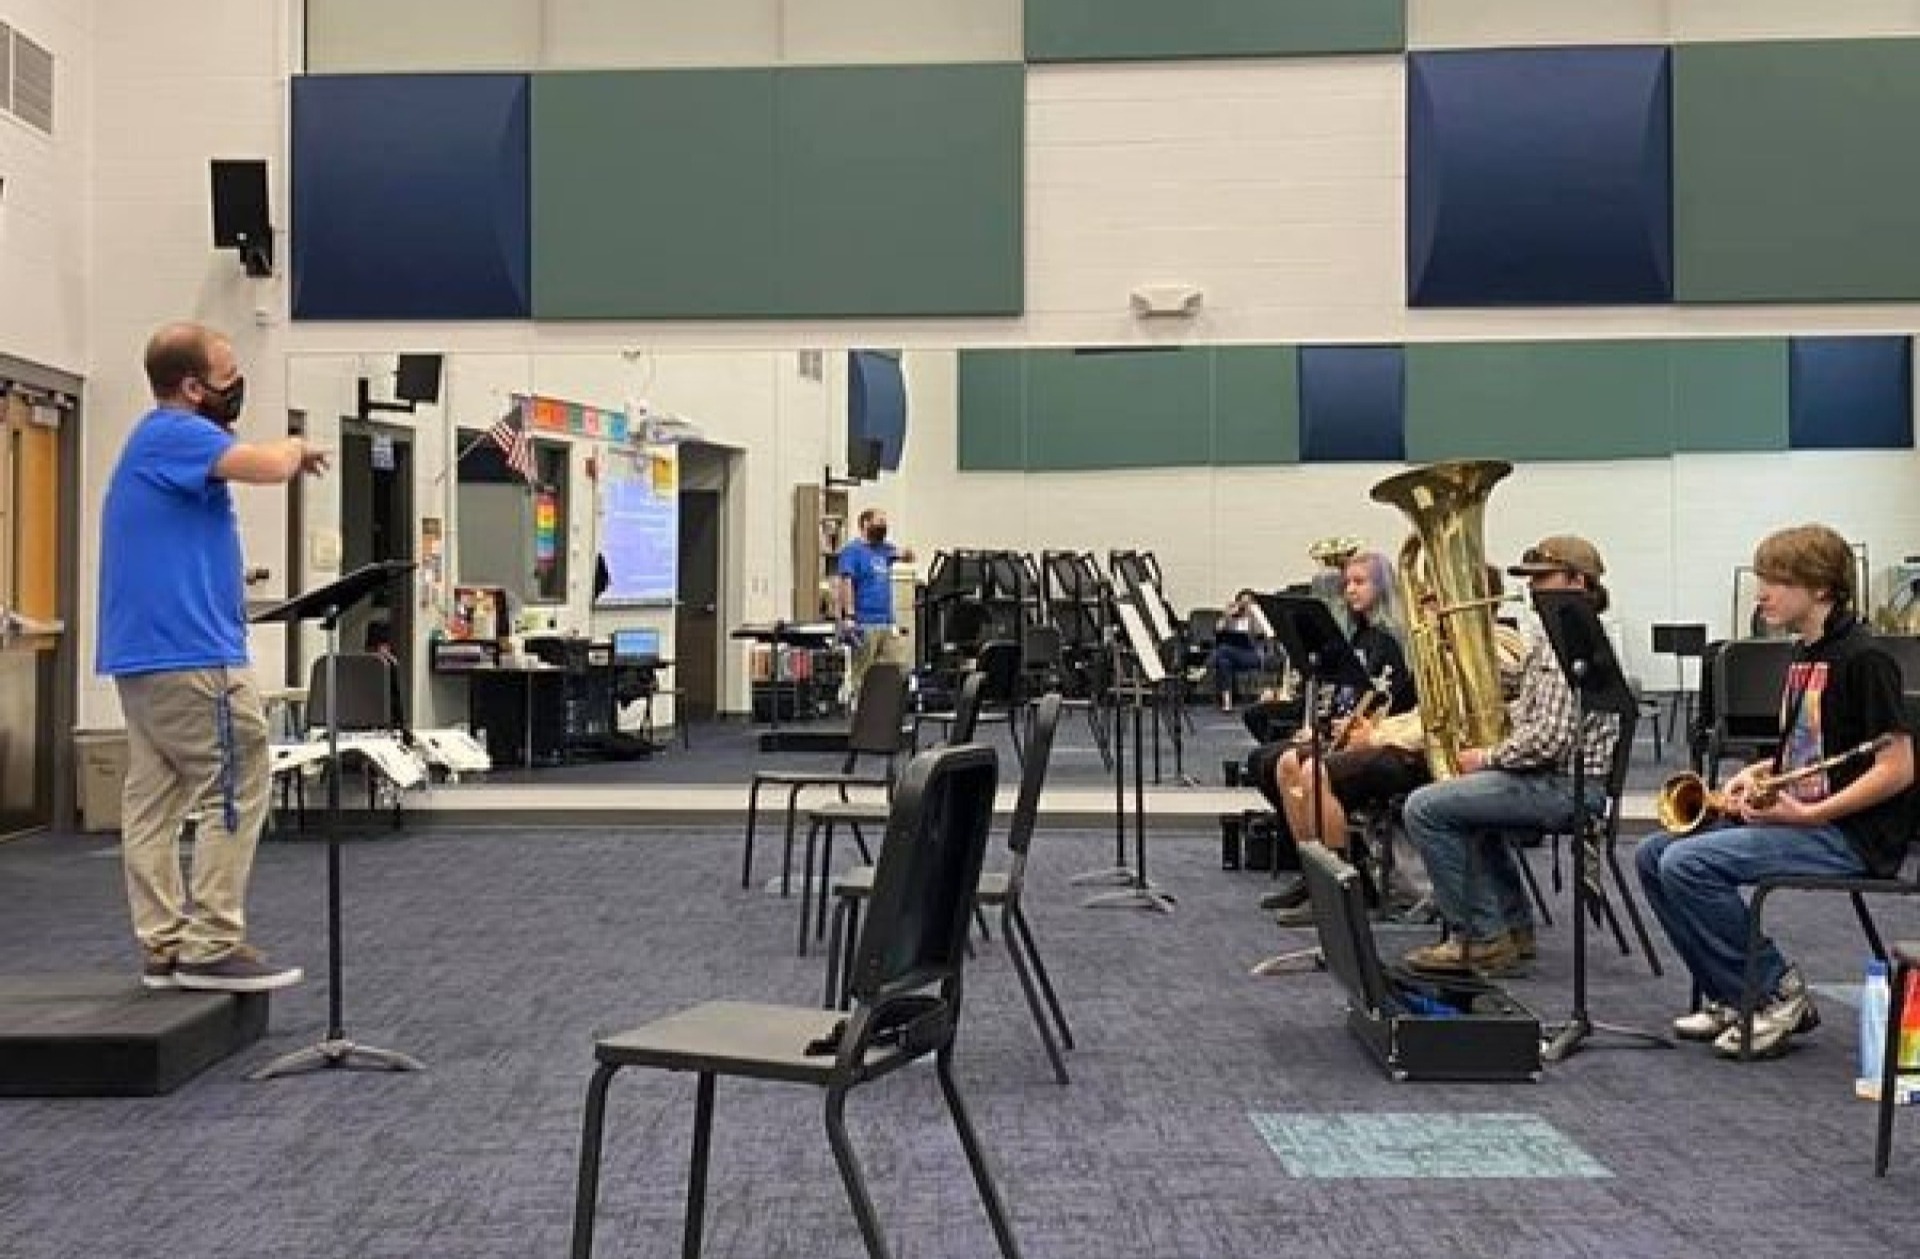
x=509, y=433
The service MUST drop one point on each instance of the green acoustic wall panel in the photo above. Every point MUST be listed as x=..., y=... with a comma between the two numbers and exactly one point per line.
x=779, y=193
x=1729, y=395
x=1132, y=30
x=900, y=190
x=1256, y=404
x=1119, y=409
x=1538, y=400
x=1795, y=172
x=993, y=411
x=653, y=194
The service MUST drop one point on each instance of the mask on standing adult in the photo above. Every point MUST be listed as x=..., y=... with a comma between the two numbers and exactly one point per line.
x=876, y=534
x=223, y=406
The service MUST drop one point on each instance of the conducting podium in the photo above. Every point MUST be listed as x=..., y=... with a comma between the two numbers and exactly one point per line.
x=326, y=605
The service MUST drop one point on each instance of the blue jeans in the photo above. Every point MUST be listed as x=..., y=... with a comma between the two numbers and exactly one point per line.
x=1229, y=659
x=1460, y=828
x=1693, y=884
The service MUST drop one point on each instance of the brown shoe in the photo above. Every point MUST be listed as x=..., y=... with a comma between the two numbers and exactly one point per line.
x=1453, y=956
x=1523, y=943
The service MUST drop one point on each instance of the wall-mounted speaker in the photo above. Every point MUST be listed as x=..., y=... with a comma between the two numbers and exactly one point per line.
x=416, y=379
x=240, y=219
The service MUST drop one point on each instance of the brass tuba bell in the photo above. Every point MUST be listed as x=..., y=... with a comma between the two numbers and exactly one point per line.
x=1442, y=575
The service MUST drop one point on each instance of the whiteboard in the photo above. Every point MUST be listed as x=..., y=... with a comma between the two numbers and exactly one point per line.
x=639, y=525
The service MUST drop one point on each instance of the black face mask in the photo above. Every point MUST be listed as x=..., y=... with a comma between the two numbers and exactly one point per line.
x=222, y=406
x=877, y=534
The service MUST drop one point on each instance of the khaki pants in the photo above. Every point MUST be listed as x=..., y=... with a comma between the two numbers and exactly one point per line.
x=877, y=643
x=196, y=744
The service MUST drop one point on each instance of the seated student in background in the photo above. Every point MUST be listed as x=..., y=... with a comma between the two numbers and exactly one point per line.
x=1378, y=755
x=1236, y=647
x=1842, y=690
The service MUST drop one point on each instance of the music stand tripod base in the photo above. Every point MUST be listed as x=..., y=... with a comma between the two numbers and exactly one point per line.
x=1113, y=874
x=1140, y=895
x=1567, y=1041
x=1298, y=962
x=341, y=1054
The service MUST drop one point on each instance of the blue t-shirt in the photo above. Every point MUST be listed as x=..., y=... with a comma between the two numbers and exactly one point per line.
x=172, y=591
x=868, y=566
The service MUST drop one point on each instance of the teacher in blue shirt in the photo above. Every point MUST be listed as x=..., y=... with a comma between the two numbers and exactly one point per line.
x=865, y=596
x=173, y=637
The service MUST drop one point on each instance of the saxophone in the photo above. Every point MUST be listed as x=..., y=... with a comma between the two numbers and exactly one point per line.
x=1442, y=575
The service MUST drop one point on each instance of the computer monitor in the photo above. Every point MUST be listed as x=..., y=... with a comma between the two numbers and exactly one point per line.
x=636, y=646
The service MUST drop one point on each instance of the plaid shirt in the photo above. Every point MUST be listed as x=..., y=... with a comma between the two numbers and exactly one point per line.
x=1542, y=721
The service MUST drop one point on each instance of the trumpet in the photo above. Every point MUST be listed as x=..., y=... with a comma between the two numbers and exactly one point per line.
x=1335, y=552
x=1686, y=803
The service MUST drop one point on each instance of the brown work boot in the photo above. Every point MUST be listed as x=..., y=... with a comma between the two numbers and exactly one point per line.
x=1453, y=956
x=1523, y=943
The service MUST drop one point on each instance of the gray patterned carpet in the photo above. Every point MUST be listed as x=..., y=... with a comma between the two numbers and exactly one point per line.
x=1212, y=1115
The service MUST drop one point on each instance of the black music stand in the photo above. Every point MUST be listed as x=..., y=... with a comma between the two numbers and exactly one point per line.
x=326, y=605
x=1141, y=647
x=1311, y=638
x=1586, y=659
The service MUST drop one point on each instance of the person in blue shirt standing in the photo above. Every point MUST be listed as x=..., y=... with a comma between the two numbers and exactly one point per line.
x=865, y=597
x=173, y=637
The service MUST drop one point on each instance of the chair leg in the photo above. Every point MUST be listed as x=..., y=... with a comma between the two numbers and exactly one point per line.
x=1040, y=1016
x=786, y=853
x=753, y=814
x=1633, y=910
x=1018, y=918
x=1533, y=886
x=976, y=1157
x=980, y=919
x=826, y=882
x=587, y=1194
x=1750, y=978
x=1890, y=1071
x=697, y=1173
x=852, y=947
x=850, y=1174
x=806, y=883
x=866, y=854
x=831, y=997
x=1867, y=926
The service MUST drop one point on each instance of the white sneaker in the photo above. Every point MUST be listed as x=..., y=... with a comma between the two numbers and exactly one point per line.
x=1707, y=1022
x=1789, y=1013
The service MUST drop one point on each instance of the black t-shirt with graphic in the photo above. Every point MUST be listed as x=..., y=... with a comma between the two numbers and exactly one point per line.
x=1380, y=651
x=1843, y=690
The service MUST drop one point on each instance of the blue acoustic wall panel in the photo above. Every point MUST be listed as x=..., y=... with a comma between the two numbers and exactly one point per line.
x=1850, y=393
x=1353, y=403
x=876, y=405
x=410, y=196
x=1539, y=177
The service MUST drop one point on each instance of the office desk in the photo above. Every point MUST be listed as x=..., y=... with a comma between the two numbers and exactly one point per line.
x=522, y=710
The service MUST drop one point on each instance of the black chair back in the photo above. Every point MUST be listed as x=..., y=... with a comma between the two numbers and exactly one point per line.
x=999, y=662
x=915, y=934
x=879, y=710
x=1033, y=780
x=1905, y=650
x=1749, y=676
x=966, y=708
x=365, y=693
x=1203, y=628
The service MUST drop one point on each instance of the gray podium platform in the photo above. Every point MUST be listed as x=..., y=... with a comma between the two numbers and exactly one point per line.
x=107, y=1036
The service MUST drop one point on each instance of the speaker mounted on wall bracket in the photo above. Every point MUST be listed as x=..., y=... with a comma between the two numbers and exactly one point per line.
x=240, y=218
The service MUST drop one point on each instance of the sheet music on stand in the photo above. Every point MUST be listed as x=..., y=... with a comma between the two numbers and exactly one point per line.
x=1141, y=641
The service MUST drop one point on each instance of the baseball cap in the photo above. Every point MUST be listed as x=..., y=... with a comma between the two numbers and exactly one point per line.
x=1562, y=553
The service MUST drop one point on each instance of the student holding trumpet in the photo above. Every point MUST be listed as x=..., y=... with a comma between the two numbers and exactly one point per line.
x=1835, y=798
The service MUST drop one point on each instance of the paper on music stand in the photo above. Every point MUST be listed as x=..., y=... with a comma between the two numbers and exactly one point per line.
x=1141, y=641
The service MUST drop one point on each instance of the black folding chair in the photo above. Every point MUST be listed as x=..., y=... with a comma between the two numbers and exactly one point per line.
x=881, y=708
x=1003, y=890
x=1749, y=676
x=823, y=818
x=365, y=706
x=906, y=985
x=1906, y=963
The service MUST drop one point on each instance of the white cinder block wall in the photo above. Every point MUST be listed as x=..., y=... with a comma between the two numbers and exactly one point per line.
x=1277, y=186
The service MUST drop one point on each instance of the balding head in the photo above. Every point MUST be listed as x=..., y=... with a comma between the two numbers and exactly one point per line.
x=180, y=352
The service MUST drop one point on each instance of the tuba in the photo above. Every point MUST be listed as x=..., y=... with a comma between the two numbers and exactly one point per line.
x=1443, y=583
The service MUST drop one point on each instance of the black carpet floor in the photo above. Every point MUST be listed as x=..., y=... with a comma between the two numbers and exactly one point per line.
x=497, y=955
